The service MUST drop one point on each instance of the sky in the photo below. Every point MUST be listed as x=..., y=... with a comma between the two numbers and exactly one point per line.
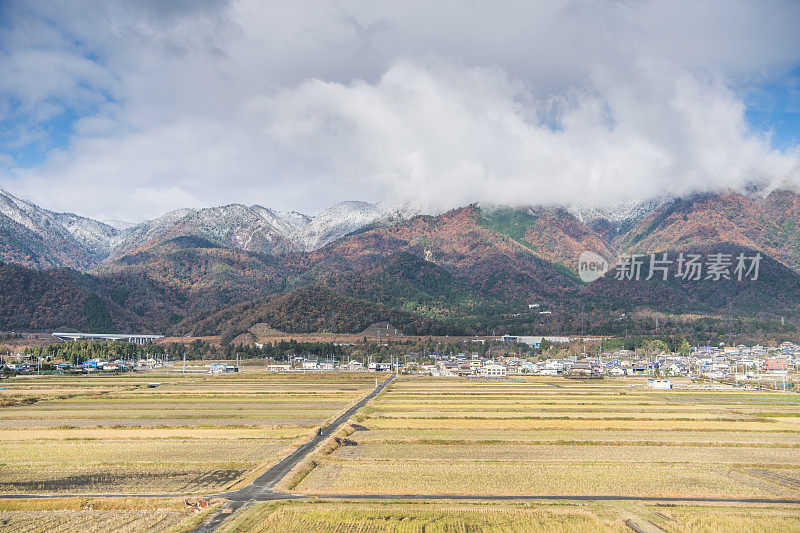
x=125, y=110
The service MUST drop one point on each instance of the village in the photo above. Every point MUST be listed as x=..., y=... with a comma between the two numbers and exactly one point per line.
x=496, y=358
x=736, y=364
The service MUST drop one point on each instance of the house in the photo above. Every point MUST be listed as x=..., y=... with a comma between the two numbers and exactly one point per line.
x=676, y=369
x=659, y=383
x=580, y=369
x=638, y=370
x=222, y=368
x=554, y=364
x=585, y=369
x=776, y=364
x=355, y=365
x=493, y=370
x=279, y=367
x=428, y=368
x=512, y=363
x=310, y=365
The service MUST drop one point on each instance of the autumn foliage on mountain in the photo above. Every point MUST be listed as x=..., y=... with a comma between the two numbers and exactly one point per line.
x=468, y=271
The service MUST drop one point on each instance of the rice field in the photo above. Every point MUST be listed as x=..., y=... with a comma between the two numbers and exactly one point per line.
x=550, y=437
x=409, y=517
x=190, y=434
x=97, y=514
x=376, y=517
x=434, y=439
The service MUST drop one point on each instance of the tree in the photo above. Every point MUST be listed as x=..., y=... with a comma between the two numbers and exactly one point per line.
x=684, y=347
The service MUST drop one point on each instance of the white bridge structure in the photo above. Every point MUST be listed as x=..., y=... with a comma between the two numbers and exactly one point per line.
x=136, y=339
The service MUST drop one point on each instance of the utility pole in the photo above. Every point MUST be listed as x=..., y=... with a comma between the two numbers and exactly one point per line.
x=184, y=362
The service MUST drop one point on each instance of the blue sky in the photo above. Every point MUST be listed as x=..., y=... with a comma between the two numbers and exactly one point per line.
x=774, y=108
x=126, y=110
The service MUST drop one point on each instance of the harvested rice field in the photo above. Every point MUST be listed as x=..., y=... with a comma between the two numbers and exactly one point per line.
x=190, y=434
x=408, y=517
x=439, y=516
x=99, y=514
x=424, y=455
x=550, y=438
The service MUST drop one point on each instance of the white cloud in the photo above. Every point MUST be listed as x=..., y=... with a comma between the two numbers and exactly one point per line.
x=440, y=137
x=186, y=104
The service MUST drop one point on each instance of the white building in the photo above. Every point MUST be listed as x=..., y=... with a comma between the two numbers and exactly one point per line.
x=492, y=370
x=659, y=383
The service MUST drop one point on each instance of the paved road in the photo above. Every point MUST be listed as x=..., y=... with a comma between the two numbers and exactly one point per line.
x=269, y=496
x=261, y=488
x=263, y=484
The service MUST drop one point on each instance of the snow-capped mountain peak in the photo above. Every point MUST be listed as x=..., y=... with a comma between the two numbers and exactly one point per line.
x=65, y=239
x=335, y=222
x=55, y=239
x=286, y=223
x=618, y=214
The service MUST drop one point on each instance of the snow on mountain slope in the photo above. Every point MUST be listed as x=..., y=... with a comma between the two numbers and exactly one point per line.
x=630, y=210
x=255, y=228
x=119, y=225
x=96, y=236
x=336, y=222
x=43, y=239
x=234, y=226
x=286, y=222
x=51, y=239
x=611, y=222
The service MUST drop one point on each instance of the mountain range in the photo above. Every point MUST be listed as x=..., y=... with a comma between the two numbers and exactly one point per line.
x=471, y=270
x=39, y=238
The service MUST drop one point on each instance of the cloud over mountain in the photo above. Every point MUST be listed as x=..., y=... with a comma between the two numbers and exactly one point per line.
x=440, y=136
x=127, y=110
